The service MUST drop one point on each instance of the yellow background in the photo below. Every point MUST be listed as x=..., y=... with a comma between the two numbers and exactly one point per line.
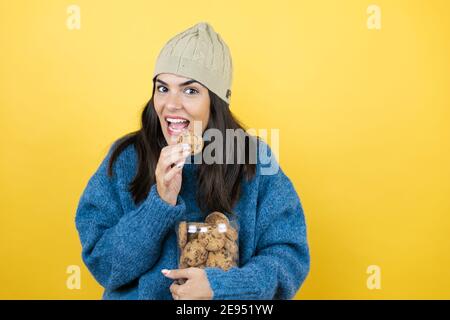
x=363, y=118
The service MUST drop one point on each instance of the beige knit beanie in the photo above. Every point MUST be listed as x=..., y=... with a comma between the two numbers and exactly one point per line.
x=199, y=53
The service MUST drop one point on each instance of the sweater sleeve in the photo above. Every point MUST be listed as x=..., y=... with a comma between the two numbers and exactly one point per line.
x=117, y=246
x=281, y=260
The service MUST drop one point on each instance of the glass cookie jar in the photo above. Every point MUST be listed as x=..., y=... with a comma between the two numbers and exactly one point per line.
x=213, y=243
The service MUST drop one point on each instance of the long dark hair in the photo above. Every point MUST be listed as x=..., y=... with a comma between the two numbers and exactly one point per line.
x=219, y=185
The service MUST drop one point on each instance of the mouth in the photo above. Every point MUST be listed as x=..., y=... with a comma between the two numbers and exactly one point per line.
x=176, y=125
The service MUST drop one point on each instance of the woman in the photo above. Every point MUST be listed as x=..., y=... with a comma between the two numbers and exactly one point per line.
x=148, y=182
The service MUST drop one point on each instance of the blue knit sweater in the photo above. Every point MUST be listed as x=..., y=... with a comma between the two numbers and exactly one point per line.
x=125, y=246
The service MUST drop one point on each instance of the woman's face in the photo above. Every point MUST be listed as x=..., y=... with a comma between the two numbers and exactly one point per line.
x=179, y=102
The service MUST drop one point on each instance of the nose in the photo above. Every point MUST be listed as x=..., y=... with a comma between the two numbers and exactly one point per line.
x=173, y=102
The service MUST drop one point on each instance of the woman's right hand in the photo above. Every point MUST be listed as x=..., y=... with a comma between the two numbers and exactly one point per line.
x=168, y=171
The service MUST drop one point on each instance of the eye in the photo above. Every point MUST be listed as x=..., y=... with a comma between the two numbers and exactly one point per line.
x=191, y=91
x=159, y=88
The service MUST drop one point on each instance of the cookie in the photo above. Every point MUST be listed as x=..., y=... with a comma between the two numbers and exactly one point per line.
x=182, y=264
x=223, y=223
x=182, y=234
x=195, y=141
x=232, y=248
x=220, y=259
x=214, y=239
x=192, y=236
x=194, y=253
x=231, y=233
x=217, y=217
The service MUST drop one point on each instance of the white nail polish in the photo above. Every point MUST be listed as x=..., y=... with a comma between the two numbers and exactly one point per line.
x=180, y=165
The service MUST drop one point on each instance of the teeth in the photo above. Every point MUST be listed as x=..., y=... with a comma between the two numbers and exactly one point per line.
x=177, y=130
x=176, y=120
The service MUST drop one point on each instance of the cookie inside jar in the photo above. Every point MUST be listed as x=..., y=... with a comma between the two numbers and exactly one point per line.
x=213, y=243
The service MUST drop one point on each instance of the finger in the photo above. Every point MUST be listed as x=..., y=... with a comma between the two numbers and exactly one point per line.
x=169, y=150
x=175, y=290
x=165, y=165
x=177, y=273
x=173, y=172
x=167, y=178
x=177, y=156
x=174, y=156
x=174, y=148
x=174, y=161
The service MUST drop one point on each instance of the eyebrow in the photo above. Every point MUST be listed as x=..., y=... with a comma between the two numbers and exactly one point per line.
x=181, y=84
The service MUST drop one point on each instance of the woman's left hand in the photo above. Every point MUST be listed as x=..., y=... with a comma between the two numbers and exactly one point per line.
x=196, y=286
